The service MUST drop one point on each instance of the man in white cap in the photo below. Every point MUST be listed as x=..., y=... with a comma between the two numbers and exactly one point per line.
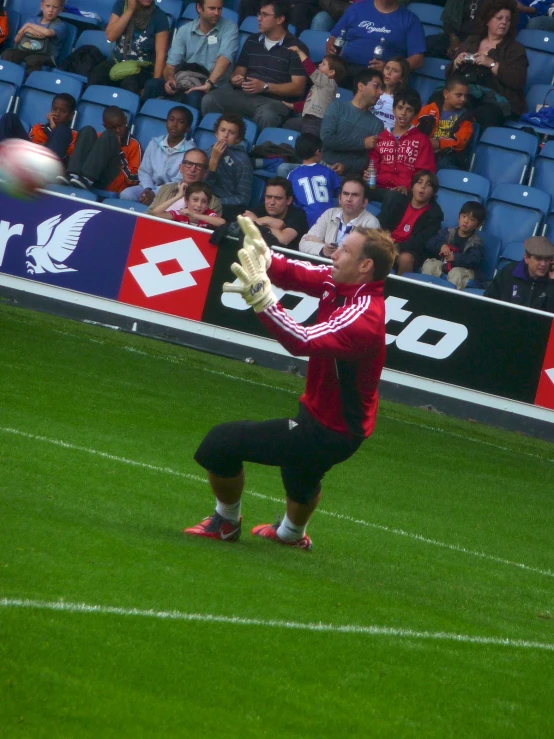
x=529, y=283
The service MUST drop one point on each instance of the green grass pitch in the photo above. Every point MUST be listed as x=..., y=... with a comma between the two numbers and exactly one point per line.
x=424, y=610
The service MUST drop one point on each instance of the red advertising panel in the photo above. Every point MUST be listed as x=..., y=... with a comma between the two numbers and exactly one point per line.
x=169, y=269
x=545, y=391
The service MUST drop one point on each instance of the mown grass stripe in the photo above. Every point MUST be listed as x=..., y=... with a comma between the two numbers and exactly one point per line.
x=275, y=624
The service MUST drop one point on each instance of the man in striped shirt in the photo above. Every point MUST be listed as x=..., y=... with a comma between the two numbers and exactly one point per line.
x=267, y=72
x=346, y=350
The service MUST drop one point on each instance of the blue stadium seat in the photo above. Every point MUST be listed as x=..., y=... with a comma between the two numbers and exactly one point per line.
x=35, y=97
x=68, y=43
x=104, y=9
x=189, y=14
x=542, y=174
x=475, y=186
x=456, y=188
x=427, y=78
x=429, y=278
x=540, y=53
x=242, y=39
x=79, y=21
x=14, y=23
x=474, y=290
x=151, y=120
x=95, y=38
x=548, y=229
x=11, y=79
x=174, y=8
x=25, y=8
x=73, y=192
x=208, y=122
x=258, y=187
x=429, y=15
x=97, y=97
x=160, y=109
x=344, y=95
x=249, y=25
x=515, y=212
x=204, y=139
x=132, y=205
x=316, y=42
x=491, y=252
x=231, y=4
x=504, y=155
x=373, y=208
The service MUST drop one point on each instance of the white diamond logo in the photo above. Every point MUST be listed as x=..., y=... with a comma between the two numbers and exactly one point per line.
x=153, y=282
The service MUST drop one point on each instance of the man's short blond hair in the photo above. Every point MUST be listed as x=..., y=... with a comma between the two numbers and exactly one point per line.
x=379, y=246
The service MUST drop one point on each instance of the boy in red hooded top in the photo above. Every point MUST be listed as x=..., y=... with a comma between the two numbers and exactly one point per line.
x=400, y=153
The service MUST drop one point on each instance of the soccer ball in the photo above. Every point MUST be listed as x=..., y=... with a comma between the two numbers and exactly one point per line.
x=25, y=167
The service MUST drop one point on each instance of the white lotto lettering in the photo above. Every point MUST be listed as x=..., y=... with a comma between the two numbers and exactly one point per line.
x=6, y=232
x=409, y=339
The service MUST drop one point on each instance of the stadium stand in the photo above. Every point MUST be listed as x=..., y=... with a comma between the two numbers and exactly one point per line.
x=316, y=42
x=540, y=53
x=429, y=15
x=503, y=159
x=429, y=278
x=515, y=212
x=11, y=79
x=95, y=38
x=542, y=174
x=97, y=97
x=504, y=155
x=35, y=97
x=153, y=112
x=429, y=77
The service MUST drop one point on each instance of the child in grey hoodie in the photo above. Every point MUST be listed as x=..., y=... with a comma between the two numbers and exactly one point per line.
x=229, y=169
x=163, y=156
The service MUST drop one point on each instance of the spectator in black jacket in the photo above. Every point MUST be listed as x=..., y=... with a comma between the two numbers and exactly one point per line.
x=413, y=219
x=529, y=283
x=458, y=252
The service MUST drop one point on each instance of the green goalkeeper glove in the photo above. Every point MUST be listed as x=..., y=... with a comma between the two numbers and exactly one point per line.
x=253, y=237
x=254, y=286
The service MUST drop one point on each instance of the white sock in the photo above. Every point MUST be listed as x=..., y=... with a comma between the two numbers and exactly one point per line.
x=230, y=512
x=288, y=531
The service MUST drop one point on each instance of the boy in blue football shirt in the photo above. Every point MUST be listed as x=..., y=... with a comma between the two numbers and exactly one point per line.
x=314, y=185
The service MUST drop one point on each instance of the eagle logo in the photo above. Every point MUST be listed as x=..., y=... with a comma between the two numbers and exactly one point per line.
x=56, y=242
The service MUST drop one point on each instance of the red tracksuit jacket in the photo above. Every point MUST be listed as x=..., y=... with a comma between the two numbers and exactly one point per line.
x=396, y=161
x=346, y=348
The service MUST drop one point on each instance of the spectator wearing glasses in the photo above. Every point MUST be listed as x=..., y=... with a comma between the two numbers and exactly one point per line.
x=349, y=130
x=268, y=72
x=529, y=283
x=194, y=168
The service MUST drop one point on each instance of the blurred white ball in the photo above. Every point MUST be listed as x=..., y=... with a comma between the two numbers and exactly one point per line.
x=25, y=167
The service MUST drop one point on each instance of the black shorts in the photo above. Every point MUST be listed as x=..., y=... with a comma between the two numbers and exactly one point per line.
x=302, y=447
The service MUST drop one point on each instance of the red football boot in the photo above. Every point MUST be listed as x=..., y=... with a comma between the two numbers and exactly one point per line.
x=216, y=527
x=269, y=531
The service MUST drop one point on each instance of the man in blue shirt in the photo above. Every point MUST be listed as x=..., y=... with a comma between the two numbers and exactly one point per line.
x=211, y=42
x=314, y=185
x=372, y=23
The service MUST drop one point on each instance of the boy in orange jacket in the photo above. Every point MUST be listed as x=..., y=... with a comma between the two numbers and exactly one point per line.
x=55, y=134
x=449, y=124
x=107, y=161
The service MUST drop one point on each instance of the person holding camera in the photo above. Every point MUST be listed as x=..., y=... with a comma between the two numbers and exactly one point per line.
x=494, y=65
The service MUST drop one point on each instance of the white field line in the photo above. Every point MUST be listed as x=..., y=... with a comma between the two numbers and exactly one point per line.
x=332, y=514
x=176, y=360
x=386, y=631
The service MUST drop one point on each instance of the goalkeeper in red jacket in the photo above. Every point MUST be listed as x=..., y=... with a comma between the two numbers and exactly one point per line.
x=346, y=350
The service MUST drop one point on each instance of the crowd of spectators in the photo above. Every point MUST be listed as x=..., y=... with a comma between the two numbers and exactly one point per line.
x=384, y=145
